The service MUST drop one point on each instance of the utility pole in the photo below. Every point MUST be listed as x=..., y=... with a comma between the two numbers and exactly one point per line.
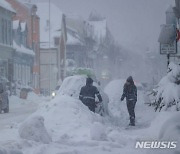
x=50, y=56
x=168, y=57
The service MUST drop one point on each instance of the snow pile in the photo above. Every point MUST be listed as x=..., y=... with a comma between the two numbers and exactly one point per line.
x=114, y=90
x=98, y=132
x=168, y=90
x=8, y=151
x=72, y=85
x=66, y=117
x=170, y=130
x=165, y=127
x=33, y=129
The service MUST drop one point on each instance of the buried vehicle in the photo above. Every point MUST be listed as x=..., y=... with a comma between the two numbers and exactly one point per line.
x=4, y=100
x=72, y=85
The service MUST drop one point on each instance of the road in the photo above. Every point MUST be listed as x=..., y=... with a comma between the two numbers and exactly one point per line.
x=18, y=112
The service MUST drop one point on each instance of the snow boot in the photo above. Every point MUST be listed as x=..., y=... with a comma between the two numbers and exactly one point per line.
x=132, y=121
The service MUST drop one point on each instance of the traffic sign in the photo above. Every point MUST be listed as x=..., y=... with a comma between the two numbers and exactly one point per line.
x=168, y=48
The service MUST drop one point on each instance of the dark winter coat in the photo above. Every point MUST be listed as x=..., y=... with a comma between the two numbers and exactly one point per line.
x=129, y=90
x=88, y=93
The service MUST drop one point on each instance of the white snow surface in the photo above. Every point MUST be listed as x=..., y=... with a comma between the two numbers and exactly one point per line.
x=23, y=49
x=73, y=40
x=34, y=129
x=76, y=130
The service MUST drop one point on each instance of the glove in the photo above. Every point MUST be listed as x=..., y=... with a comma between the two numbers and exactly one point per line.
x=96, y=104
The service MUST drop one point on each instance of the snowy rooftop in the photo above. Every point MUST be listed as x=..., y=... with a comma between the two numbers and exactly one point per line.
x=99, y=29
x=6, y=5
x=55, y=22
x=73, y=38
x=23, y=49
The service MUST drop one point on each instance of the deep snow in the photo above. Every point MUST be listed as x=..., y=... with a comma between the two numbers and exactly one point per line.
x=75, y=130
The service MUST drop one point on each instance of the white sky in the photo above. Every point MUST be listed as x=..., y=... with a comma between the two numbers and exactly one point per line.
x=135, y=24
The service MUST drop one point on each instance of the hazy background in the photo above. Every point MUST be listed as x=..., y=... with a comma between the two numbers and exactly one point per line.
x=135, y=24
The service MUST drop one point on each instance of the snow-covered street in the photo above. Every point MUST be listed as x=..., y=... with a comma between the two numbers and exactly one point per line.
x=65, y=126
x=19, y=111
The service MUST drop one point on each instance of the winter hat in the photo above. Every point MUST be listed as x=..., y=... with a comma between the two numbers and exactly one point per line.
x=89, y=81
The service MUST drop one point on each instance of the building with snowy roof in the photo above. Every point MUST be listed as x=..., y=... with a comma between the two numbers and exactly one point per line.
x=23, y=58
x=52, y=48
x=28, y=35
x=6, y=48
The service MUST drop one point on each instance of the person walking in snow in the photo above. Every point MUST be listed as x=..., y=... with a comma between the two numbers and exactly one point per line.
x=130, y=92
x=88, y=93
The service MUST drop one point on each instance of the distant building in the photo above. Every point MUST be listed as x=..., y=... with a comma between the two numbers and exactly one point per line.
x=49, y=46
x=66, y=42
x=6, y=43
x=26, y=13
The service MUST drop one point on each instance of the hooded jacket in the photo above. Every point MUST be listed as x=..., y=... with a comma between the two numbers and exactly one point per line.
x=88, y=92
x=129, y=90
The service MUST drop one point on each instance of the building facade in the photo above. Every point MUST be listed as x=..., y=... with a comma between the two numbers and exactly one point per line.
x=6, y=43
x=23, y=58
x=26, y=13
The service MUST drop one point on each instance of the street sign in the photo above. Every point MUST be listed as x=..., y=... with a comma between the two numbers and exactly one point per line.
x=168, y=48
x=167, y=34
x=177, y=9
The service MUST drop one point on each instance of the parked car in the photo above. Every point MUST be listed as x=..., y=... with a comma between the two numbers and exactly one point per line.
x=4, y=100
x=72, y=85
x=54, y=93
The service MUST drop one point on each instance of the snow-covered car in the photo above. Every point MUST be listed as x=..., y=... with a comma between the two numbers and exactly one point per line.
x=72, y=85
x=4, y=100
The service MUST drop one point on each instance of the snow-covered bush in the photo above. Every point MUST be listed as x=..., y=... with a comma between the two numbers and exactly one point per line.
x=167, y=93
x=33, y=129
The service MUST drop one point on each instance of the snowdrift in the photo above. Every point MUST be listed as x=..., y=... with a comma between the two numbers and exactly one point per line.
x=65, y=117
x=33, y=129
x=165, y=127
x=9, y=151
x=114, y=90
